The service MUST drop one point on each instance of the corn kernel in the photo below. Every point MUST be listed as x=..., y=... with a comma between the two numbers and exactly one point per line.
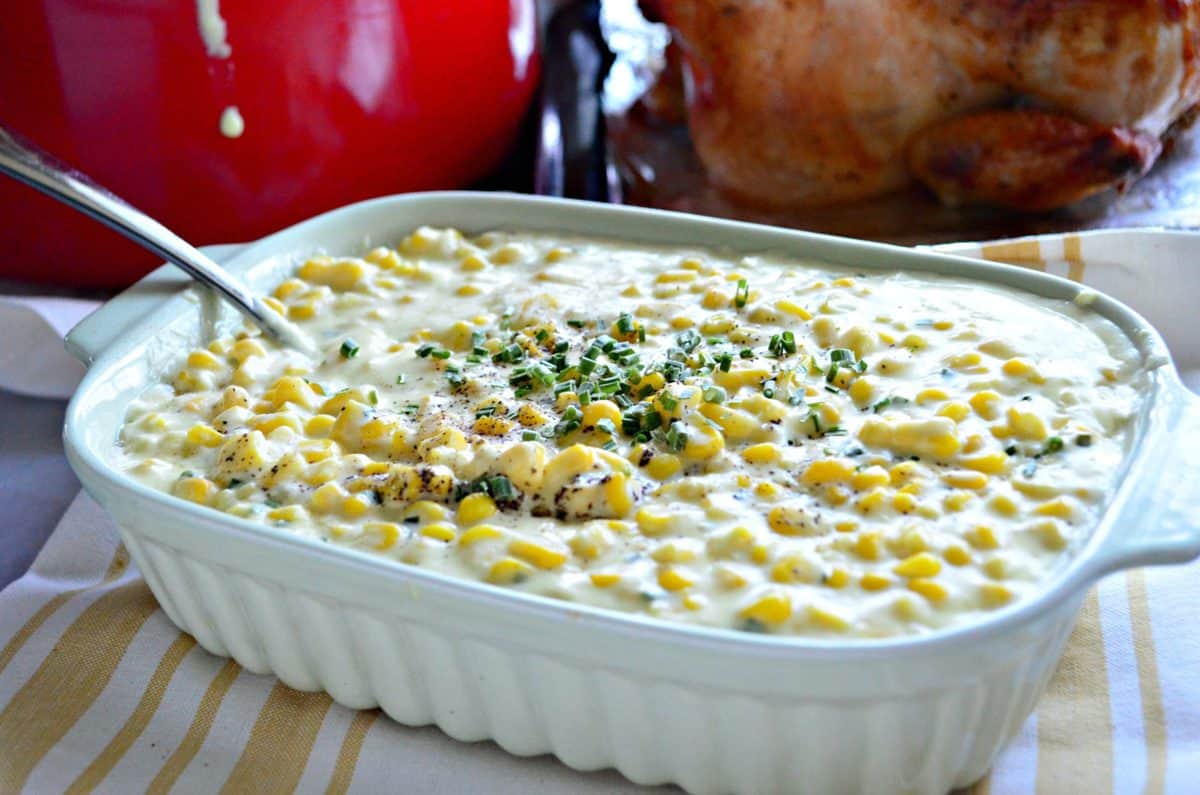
x=828, y=618
x=956, y=555
x=957, y=500
x=492, y=425
x=197, y=490
x=480, y=532
x=774, y=608
x=441, y=532
x=955, y=410
x=793, y=308
x=601, y=410
x=828, y=470
x=355, y=506
x=931, y=395
x=921, y=564
x=203, y=360
x=662, y=467
x=673, y=580
x=474, y=508
x=765, y=453
x=982, y=537
x=838, y=578
x=650, y=523
x=961, y=479
x=994, y=594
x=868, y=546
x=871, y=501
x=874, y=582
x=386, y=534
x=508, y=571
x=933, y=591
x=541, y=556
x=1059, y=508
x=604, y=579
x=985, y=403
x=988, y=463
x=616, y=491
x=1050, y=534
x=1026, y=425
x=869, y=478
x=996, y=568
x=1003, y=505
x=288, y=513
x=204, y=436
x=904, y=502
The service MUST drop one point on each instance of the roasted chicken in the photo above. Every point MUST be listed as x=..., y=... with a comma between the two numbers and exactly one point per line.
x=1030, y=104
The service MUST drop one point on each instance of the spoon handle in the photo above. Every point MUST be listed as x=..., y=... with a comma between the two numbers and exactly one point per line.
x=25, y=163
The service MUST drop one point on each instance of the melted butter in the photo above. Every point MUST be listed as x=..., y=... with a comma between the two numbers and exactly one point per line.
x=747, y=442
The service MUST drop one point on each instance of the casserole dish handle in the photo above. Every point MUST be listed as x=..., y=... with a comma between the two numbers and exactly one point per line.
x=1157, y=520
x=96, y=332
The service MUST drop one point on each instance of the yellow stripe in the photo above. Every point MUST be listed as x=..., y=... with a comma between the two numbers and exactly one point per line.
x=1073, y=254
x=280, y=742
x=103, y=764
x=116, y=568
x=1154, y=719
x=1026, y=253
x=347, y=760
x=206, y=713
x=1075, y=744
x=69, y=680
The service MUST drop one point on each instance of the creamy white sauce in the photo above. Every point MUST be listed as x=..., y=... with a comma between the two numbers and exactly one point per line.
x=790, y=448
x=232, y=123
x=213, y=30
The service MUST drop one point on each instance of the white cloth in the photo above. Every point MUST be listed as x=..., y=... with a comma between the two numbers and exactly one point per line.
x=32, y=358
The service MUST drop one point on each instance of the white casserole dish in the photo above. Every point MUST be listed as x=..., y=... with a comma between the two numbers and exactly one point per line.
x=713, y=710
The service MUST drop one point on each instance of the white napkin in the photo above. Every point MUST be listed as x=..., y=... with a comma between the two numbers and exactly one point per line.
x=32, y=358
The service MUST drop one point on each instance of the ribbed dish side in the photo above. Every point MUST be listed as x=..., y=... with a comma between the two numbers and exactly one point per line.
x=707, y=740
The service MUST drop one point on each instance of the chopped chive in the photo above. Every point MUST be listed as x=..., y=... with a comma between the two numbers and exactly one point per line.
x=400, y=379
x=441, y=353
x=746, y=353
x=607, y=426
x=411, y=409
x=625, y=323
x=501, y=487
x=424, y=350
x=542, y=335
x=349, y=349
x=373, y=397
x=841, y=355
x=576, y=323
x=713, y=394
x=668, y=401
x=676, y=437
x=743, y=293
x=1053, y=445
x=530, y=436
x=485, y=411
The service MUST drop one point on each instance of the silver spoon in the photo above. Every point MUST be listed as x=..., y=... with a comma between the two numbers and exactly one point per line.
x=24, y=162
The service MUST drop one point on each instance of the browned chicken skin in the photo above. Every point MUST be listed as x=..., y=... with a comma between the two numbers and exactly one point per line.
x=1031, y=104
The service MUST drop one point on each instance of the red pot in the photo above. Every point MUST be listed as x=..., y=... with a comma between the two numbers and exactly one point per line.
x=341, y=100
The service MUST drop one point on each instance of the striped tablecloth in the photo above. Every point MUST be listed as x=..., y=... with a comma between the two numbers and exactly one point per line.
x=99, y=691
